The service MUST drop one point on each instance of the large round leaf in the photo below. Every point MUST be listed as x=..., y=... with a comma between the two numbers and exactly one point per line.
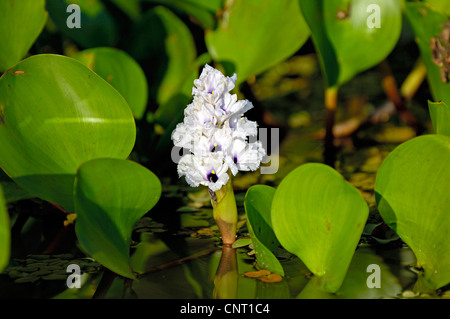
x=258, y=203
x=56, y=114
x=122, y=72
x=254, y=35
x=111, y=195
x=412, y=193
x=347, y=37
x=21, y=23
x=5, y=236
x=319, y=217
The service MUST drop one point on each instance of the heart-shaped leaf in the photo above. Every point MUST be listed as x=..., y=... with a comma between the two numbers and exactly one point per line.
x=412, y=193
x=352, y=36
x=20, y=25
x=111, y=195
x=319, y=217
x=432, y=37
x=96, y=25
x=257, y=203
x=440, y=116
x=122, y=72
x=56, y=114
x=5, y=236
x=276, y=31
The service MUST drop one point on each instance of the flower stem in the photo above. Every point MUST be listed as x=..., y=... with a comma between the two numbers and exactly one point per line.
x=225, y=212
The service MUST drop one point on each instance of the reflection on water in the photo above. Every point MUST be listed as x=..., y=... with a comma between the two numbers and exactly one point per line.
x=178, y=263
x=200, y=269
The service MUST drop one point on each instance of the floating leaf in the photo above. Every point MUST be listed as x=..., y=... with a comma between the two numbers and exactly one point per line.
x=5, y=236
x=97, y=26
x=20, y=25
x=257, y=203
x=56, y=114
x=278, y=31
x=122, y=72
x=319, y=217
x=412, y=196
x=428, y=27
x=440, y=116
x=111, y=195
x=347, y=37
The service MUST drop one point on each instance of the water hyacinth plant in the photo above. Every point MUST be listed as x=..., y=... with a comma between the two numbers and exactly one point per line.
x=217, y=135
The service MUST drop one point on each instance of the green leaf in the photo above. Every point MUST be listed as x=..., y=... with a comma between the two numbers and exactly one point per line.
x=5, y=236
x=21, y=23
x=440, y=116
x=111, y=195
x=97, y=25
x=257, y=203
x=347, y=41
x=254, y=35
x=129, y=7
x=170, y=51
x=440, y=6
x=56, y=114
x=319, y=217
x=202, y=11
x=122, y=72
x=427, y=24
x=411, y=191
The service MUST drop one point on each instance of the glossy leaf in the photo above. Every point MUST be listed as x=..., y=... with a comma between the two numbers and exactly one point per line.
x=427, y=24
x=254, y=35
x=111, y=195
x=122, y=72
x=319, y=217
x=5, y=236
x=347, y=37
x=20, y=24
x=412, y=196
x=257, y=203
x=97, y=25
x=56, y=114
x=440, y=116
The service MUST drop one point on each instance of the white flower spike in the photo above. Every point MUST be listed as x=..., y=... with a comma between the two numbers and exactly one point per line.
x=216, y=133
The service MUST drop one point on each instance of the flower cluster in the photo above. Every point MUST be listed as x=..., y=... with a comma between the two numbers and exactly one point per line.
x=216, y=133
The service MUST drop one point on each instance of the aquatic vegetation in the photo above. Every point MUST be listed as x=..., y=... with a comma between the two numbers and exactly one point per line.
x=216, y=133
x=124, y=125
x=319, y=217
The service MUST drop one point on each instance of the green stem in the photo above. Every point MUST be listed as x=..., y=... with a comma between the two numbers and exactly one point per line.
x=225, y=212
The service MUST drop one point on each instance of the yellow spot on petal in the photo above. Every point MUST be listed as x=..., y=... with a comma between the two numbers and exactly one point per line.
x=213, y=172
